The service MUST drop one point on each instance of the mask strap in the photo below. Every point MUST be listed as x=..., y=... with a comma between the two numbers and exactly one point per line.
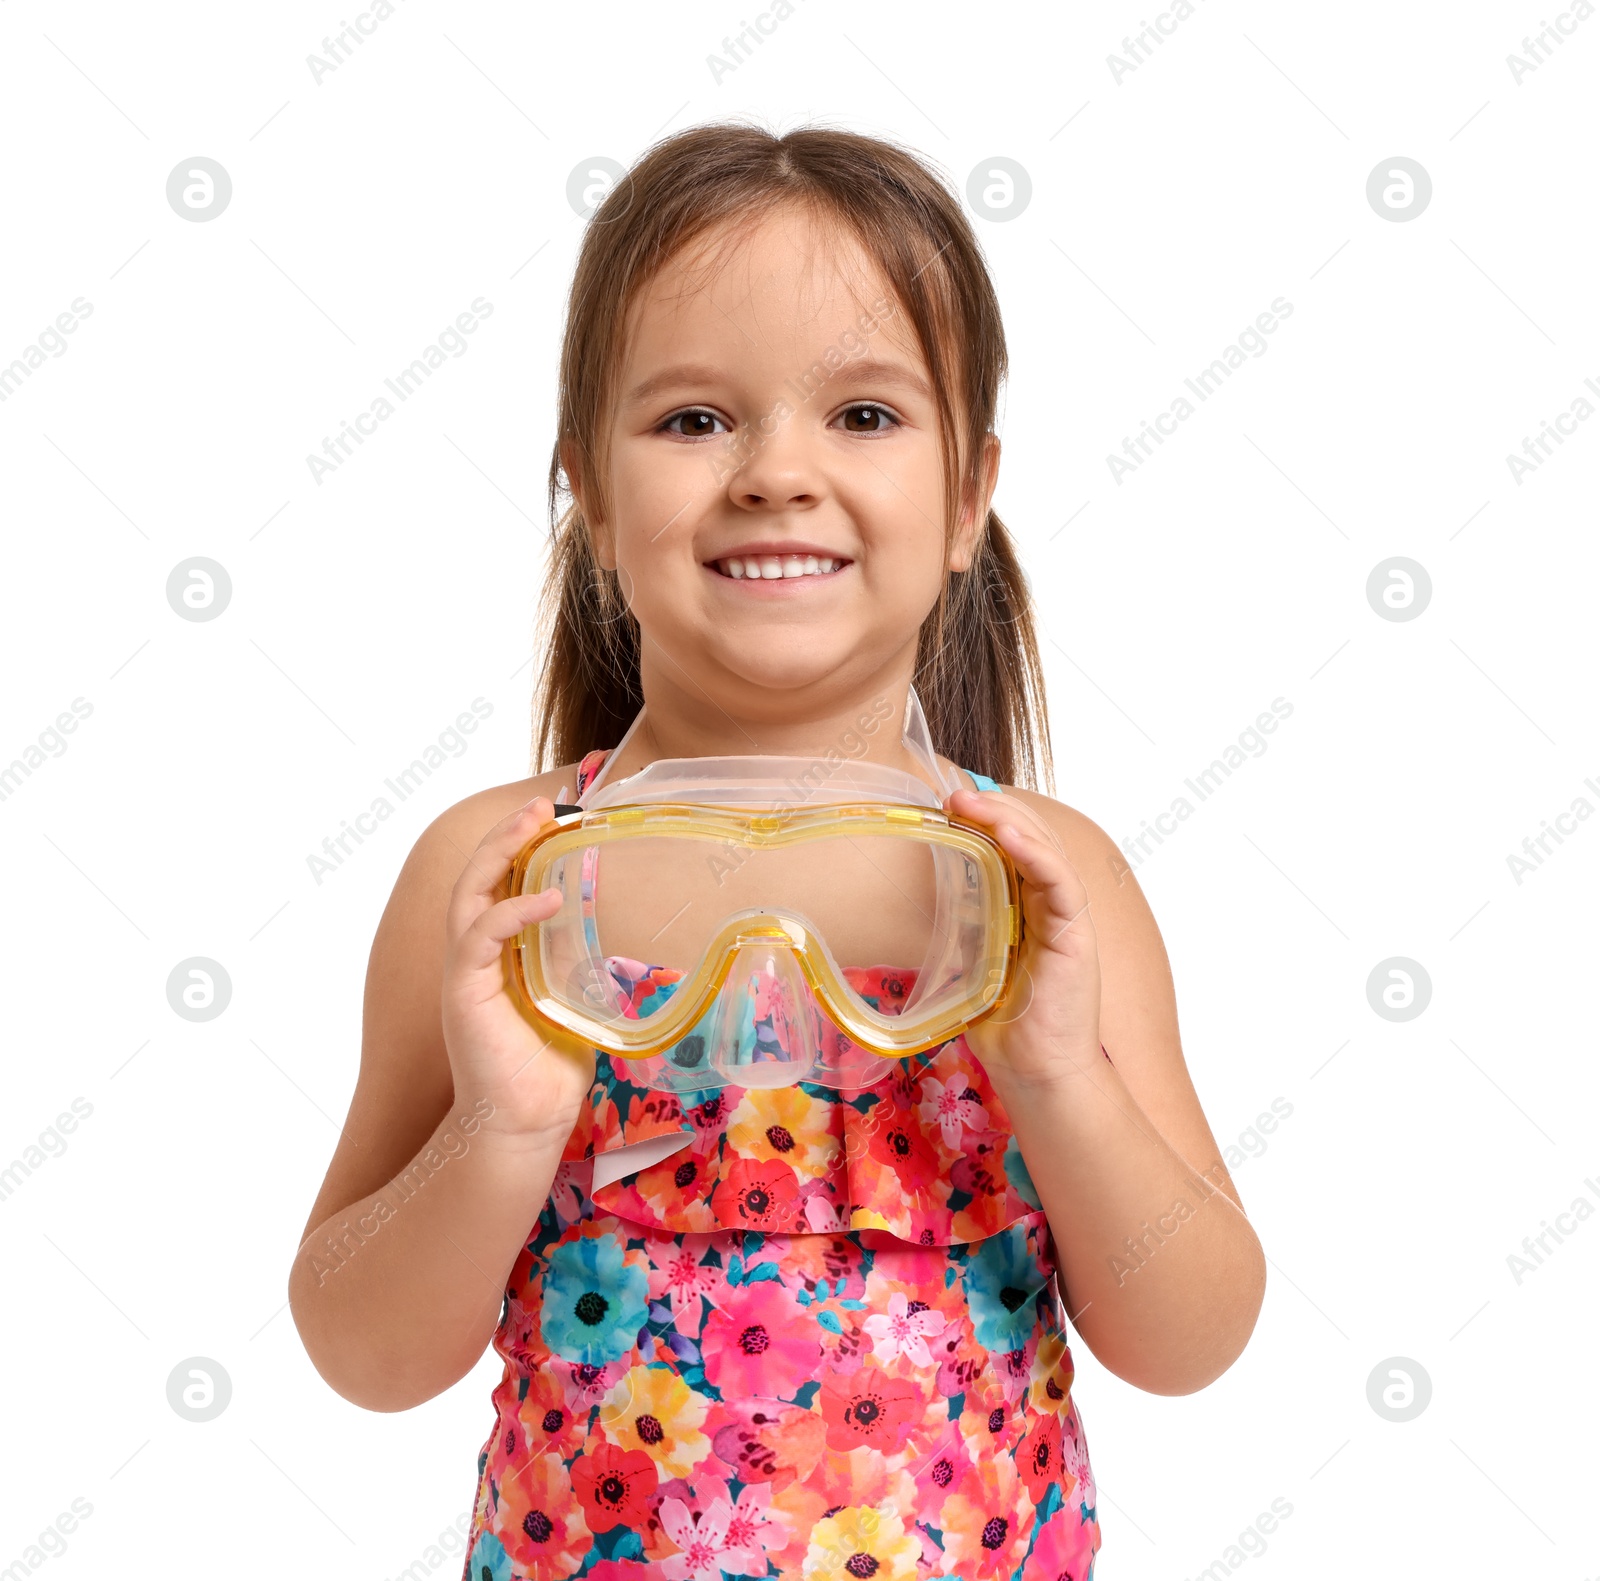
x=920, y=743
x=914, y=736
x=611, y=757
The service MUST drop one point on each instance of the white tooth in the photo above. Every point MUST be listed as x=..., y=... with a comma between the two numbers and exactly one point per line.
x=734, y=568
x=811, y=565
x=771, y=568
x=793, y=565
x=824, y=565
x=752, y=569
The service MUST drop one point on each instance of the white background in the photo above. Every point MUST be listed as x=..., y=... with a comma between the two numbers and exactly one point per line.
x=1167, y=211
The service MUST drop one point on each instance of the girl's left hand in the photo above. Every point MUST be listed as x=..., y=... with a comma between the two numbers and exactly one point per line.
x=1048, y=1027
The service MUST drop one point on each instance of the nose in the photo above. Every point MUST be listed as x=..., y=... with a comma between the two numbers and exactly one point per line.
x=779, y=470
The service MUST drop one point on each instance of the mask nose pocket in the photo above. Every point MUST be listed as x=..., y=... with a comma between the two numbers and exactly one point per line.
x=766, y=1030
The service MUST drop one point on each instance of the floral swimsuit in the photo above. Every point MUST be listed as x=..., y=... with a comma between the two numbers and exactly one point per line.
x=819, y=1336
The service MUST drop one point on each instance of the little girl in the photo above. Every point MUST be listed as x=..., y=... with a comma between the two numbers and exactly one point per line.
x=813, y=1331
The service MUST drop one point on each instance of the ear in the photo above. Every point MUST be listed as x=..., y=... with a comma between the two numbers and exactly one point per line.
x=599, y=535
x=974, y=520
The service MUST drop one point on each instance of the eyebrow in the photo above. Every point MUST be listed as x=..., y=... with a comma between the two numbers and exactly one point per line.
x=871, y=370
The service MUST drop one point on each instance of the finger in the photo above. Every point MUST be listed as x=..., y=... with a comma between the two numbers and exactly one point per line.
x=1053, y=881
x=991, y=808
x=479, y=947
x=487, y=866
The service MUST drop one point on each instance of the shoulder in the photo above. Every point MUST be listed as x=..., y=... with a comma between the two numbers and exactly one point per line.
x=1097, y=857
x=445, y=844
x=1136, y=971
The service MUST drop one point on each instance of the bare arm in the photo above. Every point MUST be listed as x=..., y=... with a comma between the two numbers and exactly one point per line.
x=455, y=1130
x=1163, y=1275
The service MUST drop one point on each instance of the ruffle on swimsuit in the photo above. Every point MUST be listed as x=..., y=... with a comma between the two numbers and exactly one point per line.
x=925, y=1153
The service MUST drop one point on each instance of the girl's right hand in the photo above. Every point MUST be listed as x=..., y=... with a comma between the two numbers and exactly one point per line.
x=536, y=1088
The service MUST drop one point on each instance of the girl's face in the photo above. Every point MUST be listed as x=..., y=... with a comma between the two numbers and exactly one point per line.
x=775, y=416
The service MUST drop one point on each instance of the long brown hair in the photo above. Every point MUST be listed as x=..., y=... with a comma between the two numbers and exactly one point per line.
x=977, y=670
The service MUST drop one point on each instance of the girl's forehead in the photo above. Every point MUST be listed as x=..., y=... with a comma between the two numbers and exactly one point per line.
x=783, y=272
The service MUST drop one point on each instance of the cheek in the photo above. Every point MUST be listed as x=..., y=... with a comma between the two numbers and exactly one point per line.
x=657, y=495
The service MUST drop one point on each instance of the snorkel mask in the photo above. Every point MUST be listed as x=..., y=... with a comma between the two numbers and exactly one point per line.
x=765, y=920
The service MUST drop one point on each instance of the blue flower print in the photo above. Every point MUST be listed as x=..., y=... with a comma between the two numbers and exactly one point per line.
x=594, y=1301
x=1016, y=1171
x=1003, y=1279
x=488, y=1561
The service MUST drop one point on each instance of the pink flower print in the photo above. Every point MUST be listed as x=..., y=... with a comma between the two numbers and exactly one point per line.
x=1075, y=1455
x=902, y=1332
x=585, y=1385
x=954, y=1104
x=744, y=1550
x=702, y=1542
x=1014, y=1369
x=758, y=1343
x=568, y=1190
x=709, y=1118
x=678, y=1274
x=1061, y=1550
x=824, y=1216
x=940, y=1475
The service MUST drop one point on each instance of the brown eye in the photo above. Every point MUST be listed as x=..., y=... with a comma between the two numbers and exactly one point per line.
x=865, y=419
x=697, y=424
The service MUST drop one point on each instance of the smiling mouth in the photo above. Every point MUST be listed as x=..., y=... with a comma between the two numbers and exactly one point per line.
x=778, y=567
